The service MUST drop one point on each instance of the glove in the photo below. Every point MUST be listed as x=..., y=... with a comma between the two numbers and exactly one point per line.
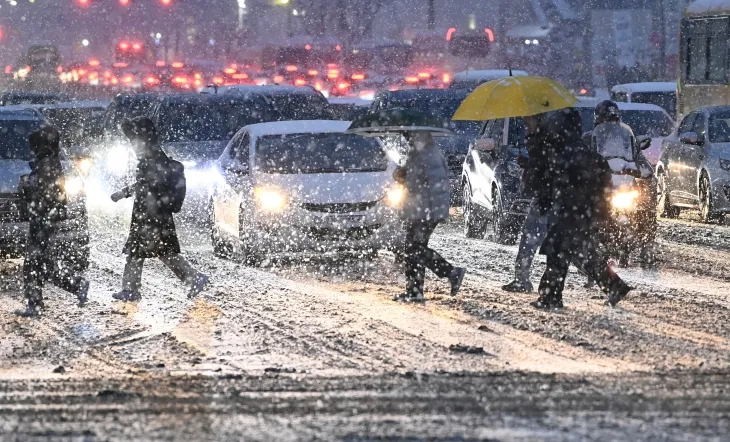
x=116, y=196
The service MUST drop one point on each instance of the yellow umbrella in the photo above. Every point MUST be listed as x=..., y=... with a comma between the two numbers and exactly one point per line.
x=514, y=97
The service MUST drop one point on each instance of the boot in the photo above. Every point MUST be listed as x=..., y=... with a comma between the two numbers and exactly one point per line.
x=518, y=287
x=83, y=294
x=456, y=278
x=127, y=296
x=198, y=286
x=617, y=292
x=32, y=310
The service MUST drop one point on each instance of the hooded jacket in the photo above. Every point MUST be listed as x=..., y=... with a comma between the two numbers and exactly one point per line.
x=427, y=184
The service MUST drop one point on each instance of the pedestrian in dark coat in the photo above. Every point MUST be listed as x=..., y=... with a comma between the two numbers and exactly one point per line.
x=158, y=192
x=43, y=205
x=579, y=180
x=425, y=178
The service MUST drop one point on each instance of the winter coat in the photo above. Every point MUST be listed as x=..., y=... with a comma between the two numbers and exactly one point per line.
x=427, y=184
x=616, y=140
x=42, y=198
x=580, y=187
x=152, y=231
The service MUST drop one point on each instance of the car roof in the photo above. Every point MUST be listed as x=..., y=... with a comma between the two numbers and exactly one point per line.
x=204, y=98
x=486, y=74
x=709, y=109
x=406, y=94
x=592, y=102
x=85, y=104
x=297, y=127
x=270, y=90
x=652, y=86
x=20, y=112
x=708, y=7
x=354, y=101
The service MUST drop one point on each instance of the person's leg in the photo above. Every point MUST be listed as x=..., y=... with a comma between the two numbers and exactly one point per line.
x=186, y=273
x=552, y=282
x=415, y=270
x=432, y=259
x=34, y=274
x=533, y=234
x=595, y=265
x=132, y=277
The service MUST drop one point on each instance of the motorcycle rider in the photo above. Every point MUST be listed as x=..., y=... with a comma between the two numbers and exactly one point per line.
x=616, y=142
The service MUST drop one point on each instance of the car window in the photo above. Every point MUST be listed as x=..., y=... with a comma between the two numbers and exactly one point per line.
x=496, y=131
x=720, y=127
x=700, y=127
x=235, y=141
x=620, y=96
x=242, y=146
x=687, y=123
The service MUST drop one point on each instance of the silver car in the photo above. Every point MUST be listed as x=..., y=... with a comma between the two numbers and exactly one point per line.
x=693, y=171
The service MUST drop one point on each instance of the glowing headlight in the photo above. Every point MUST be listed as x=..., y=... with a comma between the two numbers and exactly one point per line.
x=189, y=164
x=74, y=186
x=270, y=200
x=395, y=196
x=117, y=160
x=624, y=200
x=84, y=165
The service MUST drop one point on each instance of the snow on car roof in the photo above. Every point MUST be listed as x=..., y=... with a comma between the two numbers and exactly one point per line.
x=20, y=112
x=351, y=100
x=652, y=86
x=708, y=7
x=297, y=127
x=274, y=89
x=486, y=74
x=85, y=104
x=592, y=102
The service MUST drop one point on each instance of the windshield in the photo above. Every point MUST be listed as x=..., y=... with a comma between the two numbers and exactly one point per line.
x=720, y=127
x=185, y=122
x=665, y=100
x=14, y=134
x=301, y=107
x=642, y=122
x=71, y=122
x=443, y=108
x=319, y=153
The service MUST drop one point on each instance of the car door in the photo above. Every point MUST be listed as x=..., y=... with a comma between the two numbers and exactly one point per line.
x=693, y=156
x=672, y=155
x=486, y=149
x=234, y=166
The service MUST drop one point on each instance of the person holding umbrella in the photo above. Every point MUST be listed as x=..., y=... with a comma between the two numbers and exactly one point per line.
x=425, y=178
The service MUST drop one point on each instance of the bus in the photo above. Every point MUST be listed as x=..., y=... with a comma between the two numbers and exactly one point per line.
x=703, y=56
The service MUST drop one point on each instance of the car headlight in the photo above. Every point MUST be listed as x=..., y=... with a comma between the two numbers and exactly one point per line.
x=117, y=160
x=624, y=199
x=74, y=186
x=84, y=165
x=189, y=164
x=270, y=200
x=725, y=164
x=395, y=195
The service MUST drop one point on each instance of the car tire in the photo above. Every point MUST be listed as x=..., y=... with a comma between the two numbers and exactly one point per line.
x=475, y=223
x=705, y=198
x=665, y=209
x=505, y=232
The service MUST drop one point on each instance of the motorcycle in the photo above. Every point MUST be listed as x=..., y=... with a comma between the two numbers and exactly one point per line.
x=633, y=209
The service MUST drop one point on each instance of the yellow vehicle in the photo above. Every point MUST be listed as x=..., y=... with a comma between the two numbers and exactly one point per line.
x=704, y=73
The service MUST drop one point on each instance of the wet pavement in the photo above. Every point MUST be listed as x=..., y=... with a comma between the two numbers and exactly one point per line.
x=312, y=348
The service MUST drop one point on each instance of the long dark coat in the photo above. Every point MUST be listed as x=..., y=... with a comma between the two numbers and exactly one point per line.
x=579, y=180
x=152, y=231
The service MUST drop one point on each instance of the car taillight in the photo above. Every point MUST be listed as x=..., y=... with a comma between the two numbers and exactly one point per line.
x=278, y=79
x=300, y=82
x=152, y=81
x=343, y=85
x=292, y=68
x=412, y=80
x=177, y=64
x=424, y=75
x=218, y=81
x=358, y=76
x=313, y=73
x=229, y=71
x=241, y=76
x=160, y=63
x=180, y=81
x=333, y=74
x=127, y=79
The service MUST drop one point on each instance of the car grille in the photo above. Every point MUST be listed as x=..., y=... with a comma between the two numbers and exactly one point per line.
x=9, y=211
x=352, y=234
x=340, y=207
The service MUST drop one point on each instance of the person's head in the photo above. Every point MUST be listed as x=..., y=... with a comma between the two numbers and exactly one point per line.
x=562, y=127
x=142, y=133
x=606, y=111
x=44, y=142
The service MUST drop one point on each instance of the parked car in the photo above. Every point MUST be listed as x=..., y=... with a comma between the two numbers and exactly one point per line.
x=299, y=186
x=12, y=98
x=662, y=94
x=71, y=243
x=694, y=169
x=349, y=109
x=442, y=103
x=291, y=102
x=470, y=80
x=195, y=128
x=491, y=177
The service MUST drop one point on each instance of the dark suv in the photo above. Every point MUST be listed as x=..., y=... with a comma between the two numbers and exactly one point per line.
x=442, y=103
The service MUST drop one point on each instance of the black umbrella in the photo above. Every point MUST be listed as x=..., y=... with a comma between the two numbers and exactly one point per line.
x=397, y=121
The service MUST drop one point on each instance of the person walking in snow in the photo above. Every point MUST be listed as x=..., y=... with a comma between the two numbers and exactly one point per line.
x=43, y=205
x=159, y=191
x=425, y=178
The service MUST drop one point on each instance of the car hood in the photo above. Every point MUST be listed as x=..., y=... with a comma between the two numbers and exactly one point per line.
x=197, y=151
x=10, y=173
x=330, y=188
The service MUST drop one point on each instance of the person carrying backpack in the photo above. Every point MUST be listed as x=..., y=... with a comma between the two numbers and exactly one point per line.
x=159, y=191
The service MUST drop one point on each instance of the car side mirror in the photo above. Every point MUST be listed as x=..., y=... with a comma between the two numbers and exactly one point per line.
x=690, y=138
x=643, y=143
x=485, y=145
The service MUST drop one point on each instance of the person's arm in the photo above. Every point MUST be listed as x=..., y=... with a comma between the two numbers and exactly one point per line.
x=126, y=192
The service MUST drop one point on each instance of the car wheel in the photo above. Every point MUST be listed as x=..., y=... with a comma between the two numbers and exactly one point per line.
x=665, y=209
x=504, y=231
x=707, y=213
x=475, y=224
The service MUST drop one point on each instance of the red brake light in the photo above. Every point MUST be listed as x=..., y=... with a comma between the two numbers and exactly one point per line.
x=358, y=76
x=344, y=85
x=278, y=79
x=180, y=80
x=82, y=72
x=450, y=33
x=152, y=80
x=136, y=46
x=308, y=47
x=291, y=68
x=120, y=64
x=160, y=63
x=124, y=45
x=490, y=34
x=300, y=82
x=242, y=76
x=8, y=69
x=217, y=80
x=313, y=73
x=128, y=79
x=425, y=75
x=93, y=63
x=318, y=86
x=583, y=91
x=412, y=80
x=229, y=71
x=333, y=74
x=177, y=64
x=338, y=48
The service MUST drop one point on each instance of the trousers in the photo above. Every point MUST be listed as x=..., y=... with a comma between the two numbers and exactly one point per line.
x=132, y=277
x=534, y=232
x=419, y=256
x=40, y=267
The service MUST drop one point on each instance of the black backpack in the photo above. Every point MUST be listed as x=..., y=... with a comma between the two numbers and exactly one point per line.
x=177, y=186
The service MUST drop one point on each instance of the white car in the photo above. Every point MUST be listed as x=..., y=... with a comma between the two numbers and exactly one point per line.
x=297, y=186
x=662, y=94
